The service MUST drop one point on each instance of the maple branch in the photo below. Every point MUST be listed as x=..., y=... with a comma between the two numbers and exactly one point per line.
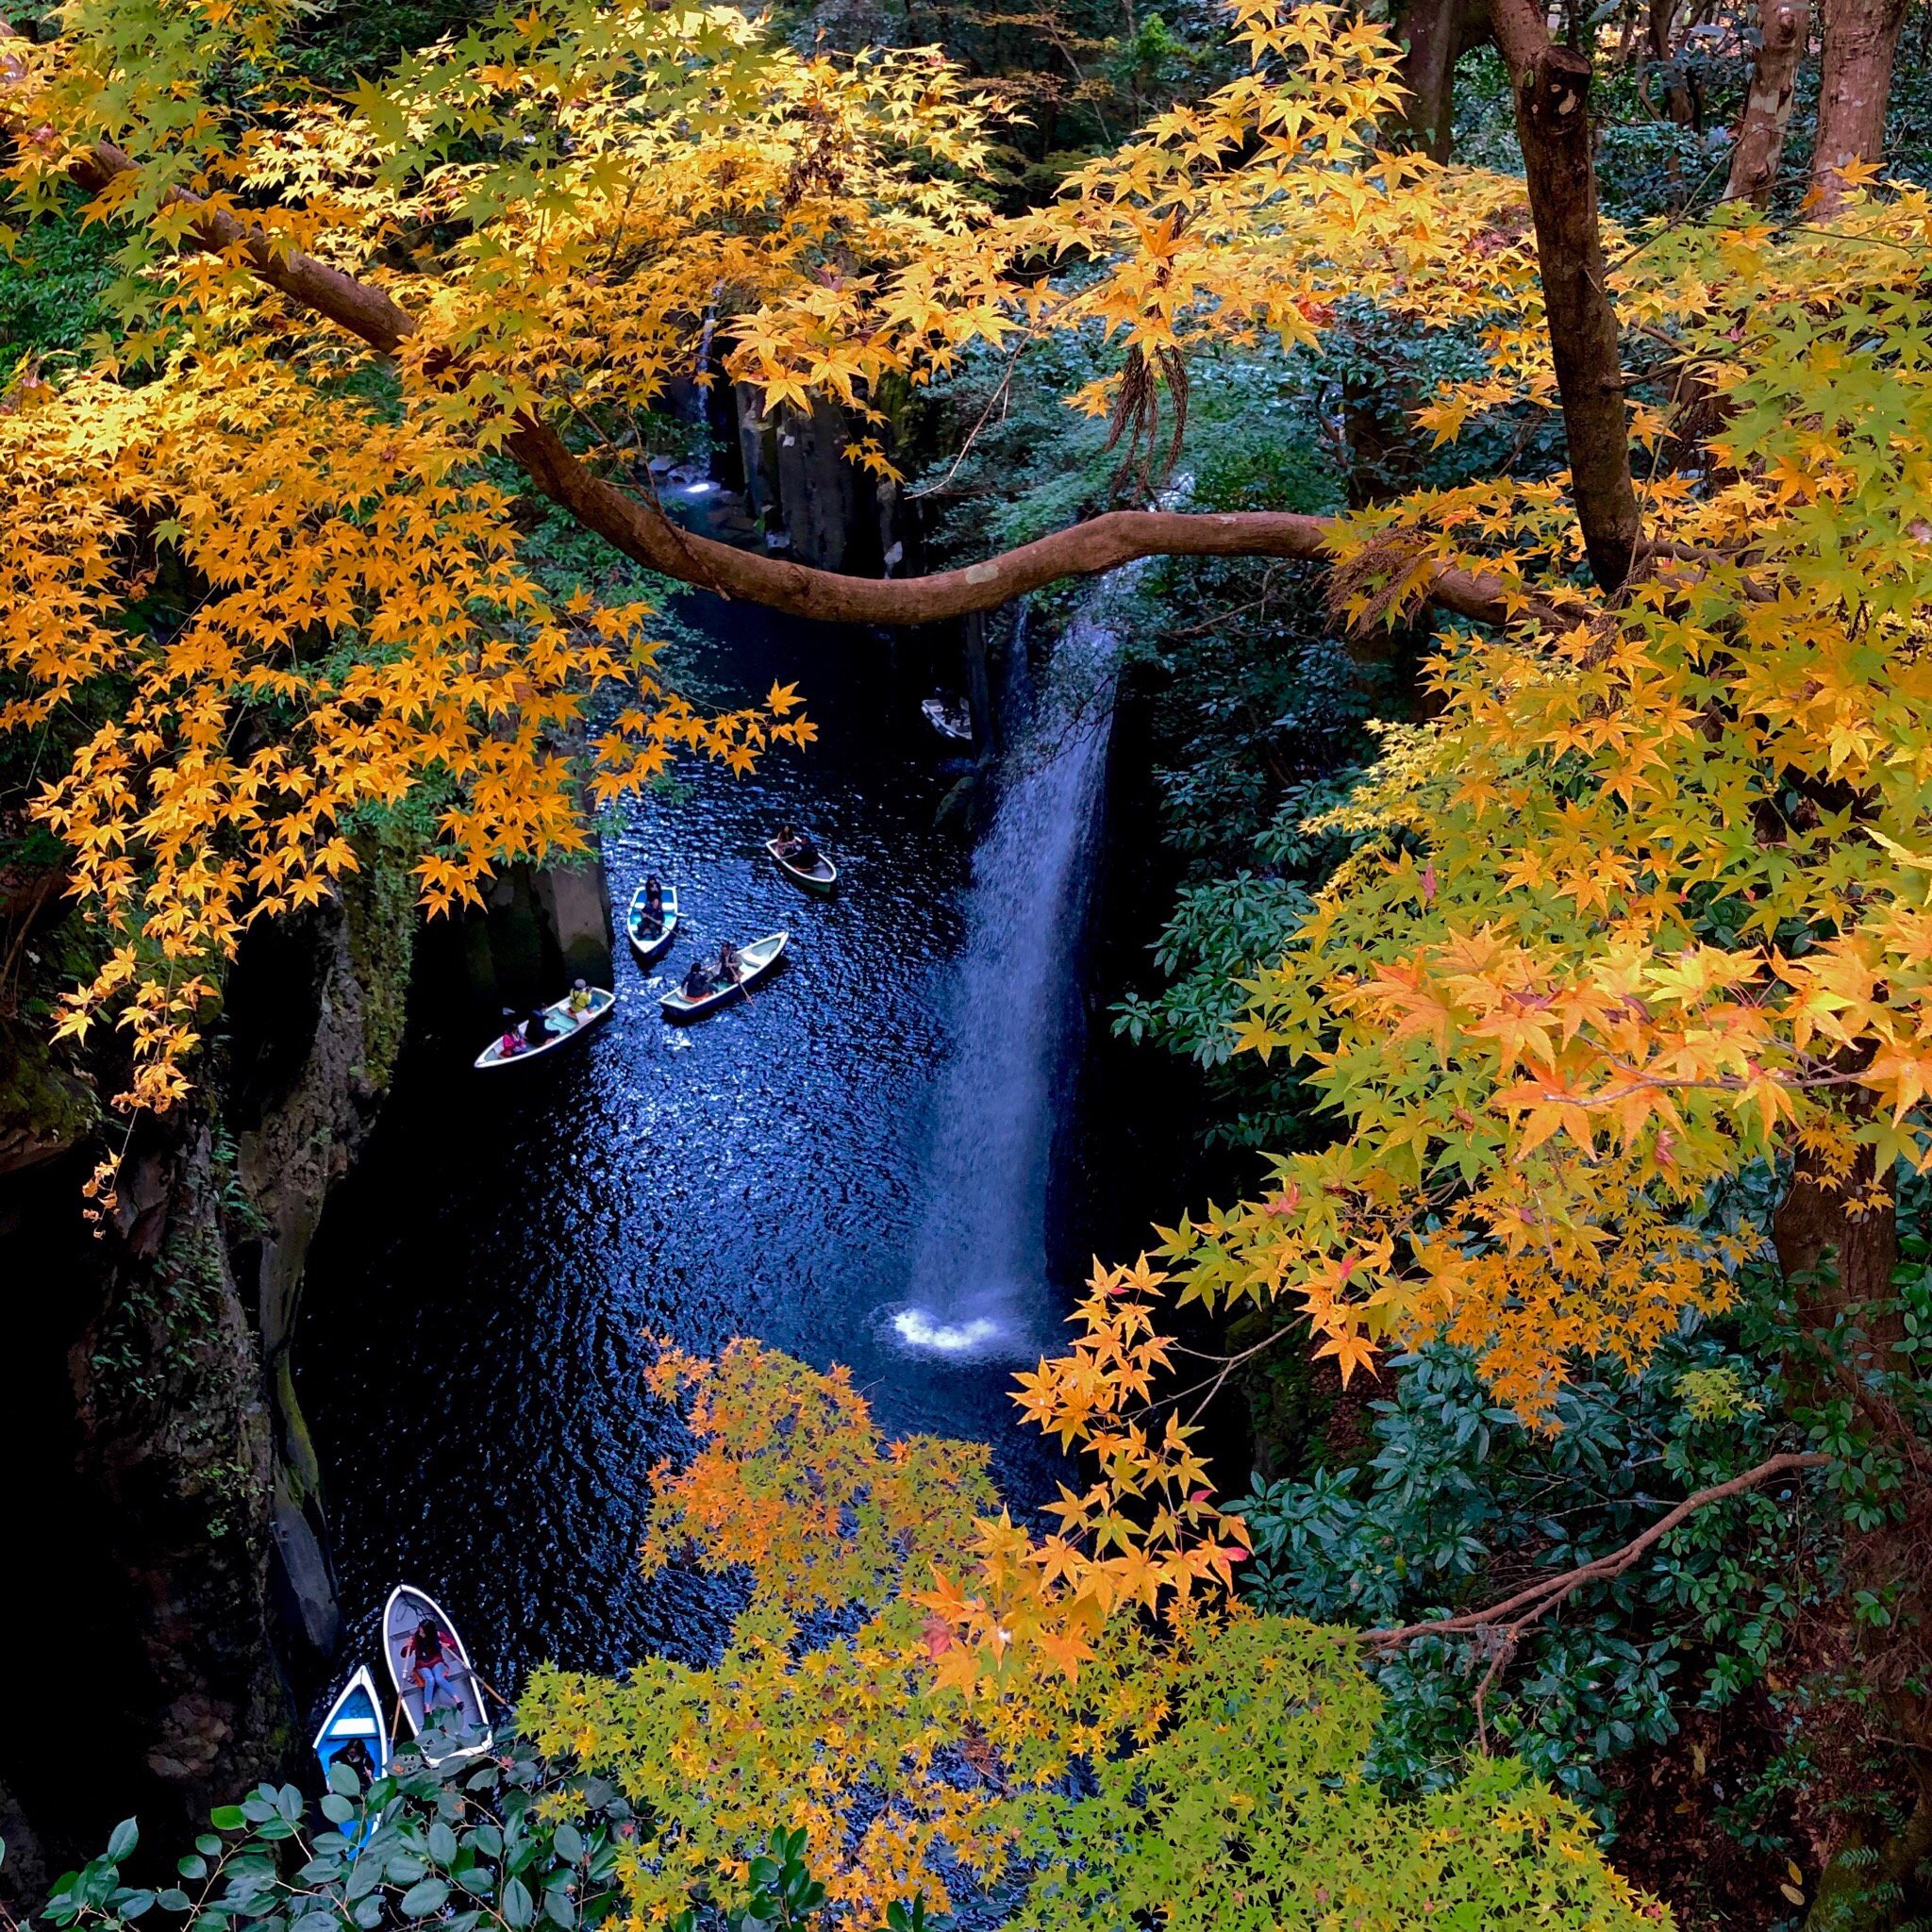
x=643, y=533
x=1501, y=1625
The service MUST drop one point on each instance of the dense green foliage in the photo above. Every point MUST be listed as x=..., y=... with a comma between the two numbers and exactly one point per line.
x=510, y=1840
x=1252, y=1811
x=1459, y=1500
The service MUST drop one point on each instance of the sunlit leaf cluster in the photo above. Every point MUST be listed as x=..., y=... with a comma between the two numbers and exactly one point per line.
x=1205, y=1766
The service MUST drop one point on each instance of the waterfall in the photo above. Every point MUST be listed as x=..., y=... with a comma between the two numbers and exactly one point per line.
x=978, y=1279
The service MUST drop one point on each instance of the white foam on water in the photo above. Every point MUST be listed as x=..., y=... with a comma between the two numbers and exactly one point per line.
x=918, y=1329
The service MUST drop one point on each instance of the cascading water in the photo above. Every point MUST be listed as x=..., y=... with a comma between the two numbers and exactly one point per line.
x=978, y=1279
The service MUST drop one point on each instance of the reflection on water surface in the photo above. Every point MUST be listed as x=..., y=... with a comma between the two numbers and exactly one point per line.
x=474, y=1332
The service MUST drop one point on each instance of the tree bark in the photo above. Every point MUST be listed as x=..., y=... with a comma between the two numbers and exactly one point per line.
x=1680, y=104
x=1551, y=90
x=1860, y=42
x=1836, y=1243
x=1815, y=1218
x=1436, y=34
x=1784, y=32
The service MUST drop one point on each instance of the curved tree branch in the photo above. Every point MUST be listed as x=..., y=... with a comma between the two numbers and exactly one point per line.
x=1548, y=1591
x=642, y=532
x=1501, y=1625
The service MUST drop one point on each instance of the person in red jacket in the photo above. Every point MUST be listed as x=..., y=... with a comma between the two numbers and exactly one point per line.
x=432, y=1655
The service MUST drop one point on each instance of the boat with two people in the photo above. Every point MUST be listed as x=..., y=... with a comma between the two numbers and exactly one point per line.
x=801, y=860
x=652, y=920
x=548, y=1027
x=950, y=717
x=440, y=1692
x=707, y=987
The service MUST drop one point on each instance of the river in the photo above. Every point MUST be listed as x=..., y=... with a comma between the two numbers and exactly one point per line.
x=852, y=1166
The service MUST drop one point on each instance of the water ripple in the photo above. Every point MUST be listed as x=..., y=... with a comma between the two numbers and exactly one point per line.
x=475, y=1334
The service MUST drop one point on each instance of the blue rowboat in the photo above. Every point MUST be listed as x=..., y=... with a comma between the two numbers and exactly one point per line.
x=354, y=1733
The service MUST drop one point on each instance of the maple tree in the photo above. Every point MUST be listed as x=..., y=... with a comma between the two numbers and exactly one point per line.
x=334, y=308
x=1641, y=908
x=1227, y=1747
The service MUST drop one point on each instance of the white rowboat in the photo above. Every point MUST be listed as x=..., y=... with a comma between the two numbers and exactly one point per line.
x=754, y=963
x=820, y=875
x=953, y=720
x=405, y=1609
x=565, y=1028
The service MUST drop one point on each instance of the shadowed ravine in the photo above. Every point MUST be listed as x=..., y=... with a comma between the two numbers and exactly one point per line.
x=814, y=1169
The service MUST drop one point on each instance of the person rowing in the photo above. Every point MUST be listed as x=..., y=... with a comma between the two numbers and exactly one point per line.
x=651, y=921
x=536, y=1027
x=432, y=1653
x=729, y=967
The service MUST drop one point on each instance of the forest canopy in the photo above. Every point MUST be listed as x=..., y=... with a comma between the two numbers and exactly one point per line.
x=1619, y=987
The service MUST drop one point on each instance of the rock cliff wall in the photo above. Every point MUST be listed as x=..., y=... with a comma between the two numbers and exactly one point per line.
x=174, y=1497
x=813, y=499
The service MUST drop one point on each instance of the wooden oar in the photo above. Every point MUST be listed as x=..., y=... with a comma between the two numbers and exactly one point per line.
x=471, y=1671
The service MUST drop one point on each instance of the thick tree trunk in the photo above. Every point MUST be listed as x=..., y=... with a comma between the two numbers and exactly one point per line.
x=1552, y=88
x=1784, y=32
x=1680, y=104
x=1436, y=34
x=1861, y=42
x=1839, y=1263
x=1816, y=1217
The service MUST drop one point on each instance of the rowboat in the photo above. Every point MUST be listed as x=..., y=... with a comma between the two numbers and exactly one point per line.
x=952, y=719
x=754, y=963
x=820, y=875
x=564, y=1029
x=463, y=1732
x=354, y=1730
x=649, y=949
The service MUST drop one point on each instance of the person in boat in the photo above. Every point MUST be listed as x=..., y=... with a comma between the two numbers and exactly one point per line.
x=651, y=921
x=355, y=1754
x=730, y=969
x=697, y=982
x=432, y=1656
x=536, y=1027
x=797, y=847
x=579, y=1000
x=512, y=1041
